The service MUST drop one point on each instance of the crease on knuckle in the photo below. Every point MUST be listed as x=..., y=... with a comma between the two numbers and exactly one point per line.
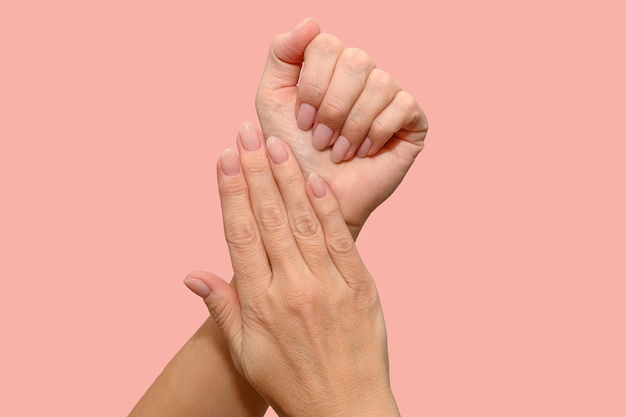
x=305, y=226
x=241, y=234
x=232, y=189
x=257, y=167
x=332, y=110
x=291, y=179
x=378, y=130
x=270, y=216
x=312, y=90
x=354, y=126
x=341, y=245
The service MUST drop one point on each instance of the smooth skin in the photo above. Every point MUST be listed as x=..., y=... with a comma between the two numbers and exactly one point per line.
x=201, y=380
x=305, y=326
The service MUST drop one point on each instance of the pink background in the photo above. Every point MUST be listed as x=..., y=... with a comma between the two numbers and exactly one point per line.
x=500, y=260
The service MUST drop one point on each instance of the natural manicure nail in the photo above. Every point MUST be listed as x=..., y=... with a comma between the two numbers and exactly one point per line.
x=364, y=148
x=230, y=162
x=277, y=151
x=317, y=185
x=306, y=116
x=197, y=286
x=249, y=136
x=322, y=136
x=340, y=149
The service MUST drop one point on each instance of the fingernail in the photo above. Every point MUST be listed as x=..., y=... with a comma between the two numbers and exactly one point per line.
x=197, y=286
x=321, y=136
x=317, y=185
x=277, y=151
x=364, y=148
x=306, y=116
x=249, y=136
x=230, y=162
x=340, y=149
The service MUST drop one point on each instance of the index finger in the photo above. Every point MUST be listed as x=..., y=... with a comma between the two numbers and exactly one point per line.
x=247, y=254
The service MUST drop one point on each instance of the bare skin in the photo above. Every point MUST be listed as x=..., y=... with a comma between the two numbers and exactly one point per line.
x=305, y=326
x=201, y=380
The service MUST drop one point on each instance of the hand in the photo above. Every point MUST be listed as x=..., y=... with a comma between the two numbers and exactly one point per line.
x=305, y=326
x=340, y=100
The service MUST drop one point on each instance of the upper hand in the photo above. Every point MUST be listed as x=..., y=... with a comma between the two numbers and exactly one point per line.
x=304, y=326
x=340, y=108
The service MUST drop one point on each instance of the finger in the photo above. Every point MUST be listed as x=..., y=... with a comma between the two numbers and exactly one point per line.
x=380, y=90
x=285, y=57
x=339, y=242
x=247, y=254
x=305, y=226
x=266, y=201
x=223, y=305
x=346, y=85
x=320, y=58
x=403, y=114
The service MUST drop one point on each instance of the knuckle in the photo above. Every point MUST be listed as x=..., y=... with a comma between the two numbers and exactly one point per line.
x=354, y=126
x=232, y=188
x=407, y=102
x=382, y=81
x=326, y=43
x=305, y=226
x=270, y=216
x=241, y=234
x=291, y=180
x=312, y=91
x=257, y=167
x=378, y=130
x=356, y=60
x=299, y=299
x=332, y=111
x=341, y=245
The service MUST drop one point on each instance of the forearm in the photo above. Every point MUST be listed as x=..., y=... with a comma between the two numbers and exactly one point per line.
x=201, y=381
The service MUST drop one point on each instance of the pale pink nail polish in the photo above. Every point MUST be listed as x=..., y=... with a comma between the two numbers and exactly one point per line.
x=249, y=137
x=322, y=136
x=277, y=151
x=364, y=148
x=229, y=160
x=317, y=185
x=197, y=286
x=340, y=149
x=306, y=116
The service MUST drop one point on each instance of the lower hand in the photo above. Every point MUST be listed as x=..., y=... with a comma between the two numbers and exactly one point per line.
x=344, y=118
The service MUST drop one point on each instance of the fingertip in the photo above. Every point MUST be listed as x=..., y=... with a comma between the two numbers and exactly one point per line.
x=317, y=185
x=277, y=150
x=308, y=21
x=249, y=137
x=322, y=136
x=340, y=150
x=197, y=286
x=305, y=116
x=228, y=163
x=364, y=149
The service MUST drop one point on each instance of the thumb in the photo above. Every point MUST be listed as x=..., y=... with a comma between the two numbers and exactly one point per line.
x=222, y=301
x=286, y=54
